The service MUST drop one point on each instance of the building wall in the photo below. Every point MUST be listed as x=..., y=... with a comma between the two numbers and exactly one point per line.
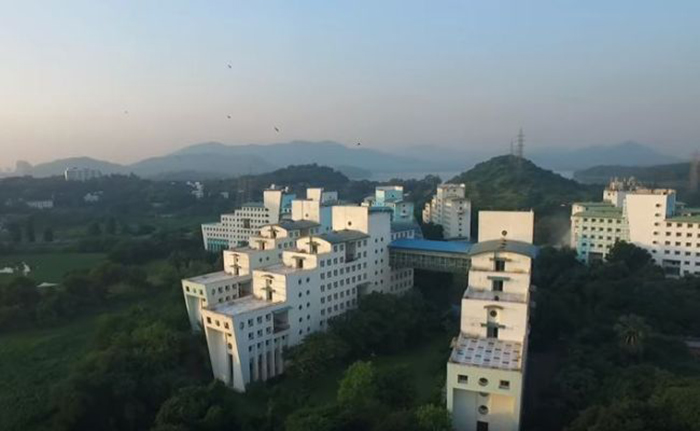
x=518, y=225
x=464, y=399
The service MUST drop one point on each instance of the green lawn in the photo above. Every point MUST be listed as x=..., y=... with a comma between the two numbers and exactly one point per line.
x=50, y=267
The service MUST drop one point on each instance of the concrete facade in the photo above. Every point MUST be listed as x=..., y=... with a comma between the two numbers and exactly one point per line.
x=649, y=218
x=236, y=228
x=450, y=209
x=486, y=369
x=286, y=284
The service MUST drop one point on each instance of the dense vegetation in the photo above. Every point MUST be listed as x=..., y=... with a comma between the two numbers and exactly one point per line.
x=616, y=332
x=510, y=183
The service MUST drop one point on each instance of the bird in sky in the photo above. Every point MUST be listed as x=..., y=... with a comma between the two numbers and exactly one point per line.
x=230, y=67
x=277, y=129
x=228, y=116
x=126, y=112
x=358, y=144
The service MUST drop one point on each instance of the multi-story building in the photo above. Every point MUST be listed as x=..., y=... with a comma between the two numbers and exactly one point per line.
x=286, y=284
x=649, y=218
x=486, y=369
x=450, y=209
x=392, y=197
x=236, y=228
x=81, y=174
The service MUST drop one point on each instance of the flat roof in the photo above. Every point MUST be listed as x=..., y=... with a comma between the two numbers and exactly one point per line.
x=345, y=235
x=242, y=305
x=397, y=226
x=297, y=224
x=508, y=245
x=253, y=204
x=213, y=277
x=600, y=213
x=462, y=247
x=691, y=218
x=487, y=352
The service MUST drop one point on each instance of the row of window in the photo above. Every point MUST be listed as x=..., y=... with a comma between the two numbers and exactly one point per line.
x=483, y=381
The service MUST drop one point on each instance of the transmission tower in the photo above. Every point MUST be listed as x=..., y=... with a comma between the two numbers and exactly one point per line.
x=520, y=144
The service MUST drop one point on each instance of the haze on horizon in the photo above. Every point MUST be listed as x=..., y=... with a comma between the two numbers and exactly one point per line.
x=125, y=80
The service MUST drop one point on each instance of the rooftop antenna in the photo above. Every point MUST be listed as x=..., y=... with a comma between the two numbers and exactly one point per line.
x=521, y=144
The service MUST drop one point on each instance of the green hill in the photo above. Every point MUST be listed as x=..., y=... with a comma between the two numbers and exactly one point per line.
x=509, y=183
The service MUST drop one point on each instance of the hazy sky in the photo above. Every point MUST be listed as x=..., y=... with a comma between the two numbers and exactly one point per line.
x=388, y=73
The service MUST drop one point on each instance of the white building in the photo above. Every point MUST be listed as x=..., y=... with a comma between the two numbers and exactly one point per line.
x=486, y=369
x=648, y=218
x=81, y=174
x=450, y=209
x=197, y=189
x=286, y=284
x=236, y=228
x=392, y=197
x=45, y=204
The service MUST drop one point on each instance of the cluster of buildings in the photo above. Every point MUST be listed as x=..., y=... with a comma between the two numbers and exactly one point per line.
x=81, y=174
x=649, y=218
x=451, y=209
x=303, y=265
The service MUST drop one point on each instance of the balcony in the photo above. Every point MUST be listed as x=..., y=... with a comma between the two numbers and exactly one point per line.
x=488, y=295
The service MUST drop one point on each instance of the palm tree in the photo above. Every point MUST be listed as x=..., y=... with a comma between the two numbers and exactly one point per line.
x=632, y=330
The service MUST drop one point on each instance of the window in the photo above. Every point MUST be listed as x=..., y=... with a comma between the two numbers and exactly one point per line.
x=483, y=381
x=482, y=426
x=462, y=378
x=483, y=410
x=504, y=384
x=492, y=331
x=497, y=285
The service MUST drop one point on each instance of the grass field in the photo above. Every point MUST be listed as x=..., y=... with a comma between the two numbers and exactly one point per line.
x=50, y=267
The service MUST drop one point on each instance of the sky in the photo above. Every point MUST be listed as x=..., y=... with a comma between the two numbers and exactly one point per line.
x=124, y=80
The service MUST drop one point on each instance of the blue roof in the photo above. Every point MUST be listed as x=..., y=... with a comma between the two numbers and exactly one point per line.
x=431, y=245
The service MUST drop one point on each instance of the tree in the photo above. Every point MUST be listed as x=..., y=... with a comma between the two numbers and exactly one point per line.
x=29, y=229
x=111, y=226
x=632, y=256
x=48, y=235
x=316, y=354
x=358, y=387
x=325, y=418
x=433, y=418
x=94, y=229
x=632, y=331
x=15, y=232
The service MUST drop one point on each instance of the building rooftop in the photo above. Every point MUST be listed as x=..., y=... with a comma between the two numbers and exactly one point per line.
x=213, y=277
x=614, y=213
x=487, y=352
x=461, y=247
x=242, y=305
x=595, y=204
x=253, y=205
x=282, y=269
x=686, y=218
x=398, y=226
x=507, y=245
x=338, y=236
x=297, y=224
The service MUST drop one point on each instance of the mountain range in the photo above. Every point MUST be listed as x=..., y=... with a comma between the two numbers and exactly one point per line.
x=217, y=160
